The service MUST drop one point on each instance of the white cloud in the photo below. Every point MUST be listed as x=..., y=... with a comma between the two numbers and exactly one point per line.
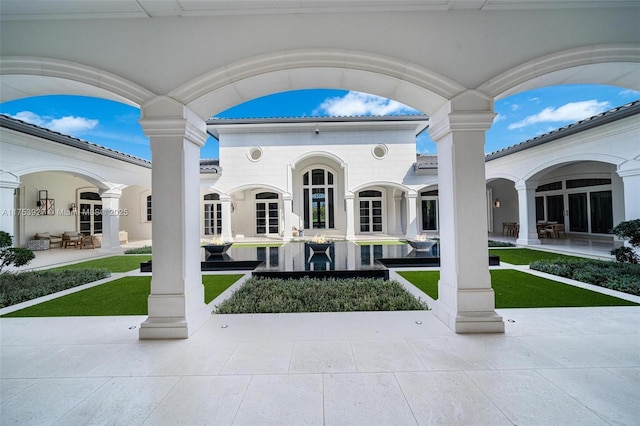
x=357, y=103
x=515, y=107
x=499, y=117
x=72, y=125
x=30, y=117
x=629, y=92
x=68, y=125
x=573, y=111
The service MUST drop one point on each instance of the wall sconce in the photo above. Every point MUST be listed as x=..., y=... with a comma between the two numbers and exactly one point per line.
x=497, y=203
x=46, y=205
x=72, y=208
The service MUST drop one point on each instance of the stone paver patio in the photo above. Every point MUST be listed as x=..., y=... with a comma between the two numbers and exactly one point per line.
x=552, y=366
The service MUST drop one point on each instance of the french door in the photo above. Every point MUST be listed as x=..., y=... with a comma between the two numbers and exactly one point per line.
x=370, y=215
x=213, y=219
x=90, y=215
x=267, y=213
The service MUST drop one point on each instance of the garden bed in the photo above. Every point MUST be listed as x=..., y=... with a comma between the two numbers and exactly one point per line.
x=624, y=277
x=22, y=286
x=272, y=295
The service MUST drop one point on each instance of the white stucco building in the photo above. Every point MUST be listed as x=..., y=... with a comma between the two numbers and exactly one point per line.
x=344, y=177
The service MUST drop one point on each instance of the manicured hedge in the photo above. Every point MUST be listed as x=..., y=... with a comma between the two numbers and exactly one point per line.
x=268, y=295
x=623, y=277
x=22, y=286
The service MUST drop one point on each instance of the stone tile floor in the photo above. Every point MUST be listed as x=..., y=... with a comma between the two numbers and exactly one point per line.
x=552, y=366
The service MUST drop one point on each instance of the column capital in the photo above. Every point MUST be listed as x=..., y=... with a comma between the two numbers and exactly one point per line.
x=166, y=117
x=9, y=180
x=111, y=193
x=470, y=111
x=525, y=184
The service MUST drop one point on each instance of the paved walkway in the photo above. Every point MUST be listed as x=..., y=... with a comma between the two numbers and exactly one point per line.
x=552, y=366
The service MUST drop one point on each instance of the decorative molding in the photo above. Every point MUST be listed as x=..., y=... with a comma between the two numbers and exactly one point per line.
x=503, y=83
x=122, y=89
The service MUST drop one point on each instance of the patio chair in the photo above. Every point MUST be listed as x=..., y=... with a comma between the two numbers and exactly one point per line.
x=71, y=239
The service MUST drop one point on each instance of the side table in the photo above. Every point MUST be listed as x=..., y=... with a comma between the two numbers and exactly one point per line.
x=38, y=245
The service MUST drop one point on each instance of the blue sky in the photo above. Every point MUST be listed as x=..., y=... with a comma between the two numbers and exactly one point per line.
x=520, y=117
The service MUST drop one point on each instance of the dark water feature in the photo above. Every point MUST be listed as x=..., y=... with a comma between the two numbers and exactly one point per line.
x=340, y=259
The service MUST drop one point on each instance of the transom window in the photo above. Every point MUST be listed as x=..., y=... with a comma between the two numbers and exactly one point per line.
x=318, y=199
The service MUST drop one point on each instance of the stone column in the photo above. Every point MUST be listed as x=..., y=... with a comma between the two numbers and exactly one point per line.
x=466, y=301
x=287, y=203
x=111, y=219
x=8, y=215
x=397, y=212
x=631, y=182
x=617, y=195
x=527, y=212
x=412, y=216
x=176, y=303
x=351, y=224
x=225, y=203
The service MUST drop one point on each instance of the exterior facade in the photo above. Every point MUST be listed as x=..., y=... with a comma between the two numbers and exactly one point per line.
x=184, y=62
x=343, y=177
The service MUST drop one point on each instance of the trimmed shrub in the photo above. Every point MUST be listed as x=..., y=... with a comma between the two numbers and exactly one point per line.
x=22, y=286
x=13, y=255
x=139, y=250
x=269, y=295
x=616, y=276
x=629, y=230
x=500, y=244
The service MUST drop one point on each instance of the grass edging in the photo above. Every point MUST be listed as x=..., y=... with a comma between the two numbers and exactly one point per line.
x=126, y=295
x=520, y=289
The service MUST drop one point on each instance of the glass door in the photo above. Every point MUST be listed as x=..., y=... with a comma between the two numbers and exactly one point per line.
x=267, y=213
x=371, y=211
x=429, y=214
x=578, y=221
x=601, y=212
x=90, y=215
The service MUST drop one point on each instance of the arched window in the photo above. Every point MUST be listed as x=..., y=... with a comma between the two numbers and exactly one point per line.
x=318, y=199
x=212, y=214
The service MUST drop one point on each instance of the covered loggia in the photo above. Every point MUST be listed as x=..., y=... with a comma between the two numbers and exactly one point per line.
x=454, y=81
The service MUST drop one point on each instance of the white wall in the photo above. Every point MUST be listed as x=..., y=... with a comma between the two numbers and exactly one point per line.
x=134, y=199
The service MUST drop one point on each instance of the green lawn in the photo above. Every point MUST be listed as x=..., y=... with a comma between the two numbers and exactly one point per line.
x=381, y=243
x=515, y=289
x=124, y=296
x=251, y=245
x=523, y=256
x=112, y=263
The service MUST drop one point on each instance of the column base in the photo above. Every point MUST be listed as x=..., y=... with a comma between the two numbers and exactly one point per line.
x=470, y=322
x=468, y=311
x=166, y=327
